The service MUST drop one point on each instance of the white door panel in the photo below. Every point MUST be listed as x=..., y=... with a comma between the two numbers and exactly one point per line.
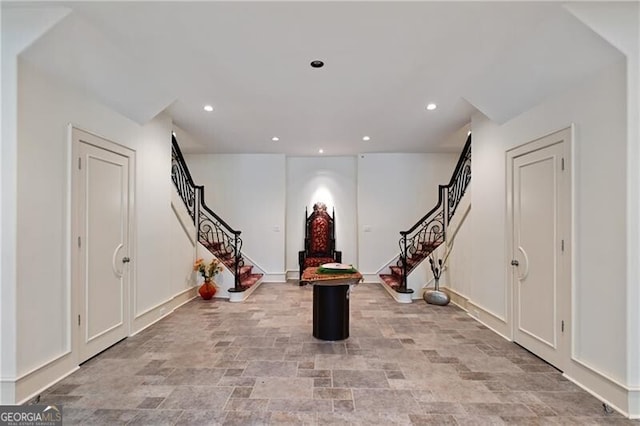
x=535, y=210
x=102, y=185
x=539, y=203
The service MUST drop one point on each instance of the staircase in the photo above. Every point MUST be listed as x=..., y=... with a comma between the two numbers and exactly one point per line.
x=214, y=234
x=423, y=238
x=246, y=275
x=395, y=279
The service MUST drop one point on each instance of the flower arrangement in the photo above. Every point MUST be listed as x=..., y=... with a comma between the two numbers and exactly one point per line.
x=435, y=296
x=209, y=270
x=436, y=267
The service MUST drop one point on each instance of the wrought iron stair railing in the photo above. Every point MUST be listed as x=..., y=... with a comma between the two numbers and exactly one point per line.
x=213, y=233
x=429, y=232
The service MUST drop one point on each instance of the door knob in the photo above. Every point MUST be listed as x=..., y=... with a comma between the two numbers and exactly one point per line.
x=514, y=262
x=126, y=260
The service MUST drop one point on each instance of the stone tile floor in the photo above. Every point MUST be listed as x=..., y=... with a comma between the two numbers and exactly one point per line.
x=215, y=362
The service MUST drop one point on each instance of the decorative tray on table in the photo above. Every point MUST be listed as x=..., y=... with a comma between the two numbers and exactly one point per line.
x=336, y=268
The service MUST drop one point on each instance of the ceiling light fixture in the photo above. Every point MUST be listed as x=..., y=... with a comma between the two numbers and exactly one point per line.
x=321, y=151
x=317, y=64
x=275, y=139
x=208, y=108
x=366, y=138
x=431, y=106
x=174, y=134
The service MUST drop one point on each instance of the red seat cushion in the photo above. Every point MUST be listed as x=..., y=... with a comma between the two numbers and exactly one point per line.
x=317, y=261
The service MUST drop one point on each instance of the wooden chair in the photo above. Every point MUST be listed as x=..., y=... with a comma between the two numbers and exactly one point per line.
x=319, y=239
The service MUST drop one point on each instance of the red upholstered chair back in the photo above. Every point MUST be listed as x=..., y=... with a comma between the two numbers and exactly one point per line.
x=319, y=239
x=319, y=234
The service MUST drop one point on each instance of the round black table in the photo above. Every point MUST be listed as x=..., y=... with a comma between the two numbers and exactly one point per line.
x=331, y=311
x=331, y=302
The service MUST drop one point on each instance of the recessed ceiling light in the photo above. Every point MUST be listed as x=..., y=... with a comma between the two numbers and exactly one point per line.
x=317, y=64
x=208, y=108
x=275, y=139
x=366, y=138
x=174, y=134
x=469, y=132
x=431, y=106
x=321, y=151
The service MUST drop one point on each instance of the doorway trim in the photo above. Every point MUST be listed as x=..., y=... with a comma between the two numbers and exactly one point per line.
x=567, y=225
x=75, y=281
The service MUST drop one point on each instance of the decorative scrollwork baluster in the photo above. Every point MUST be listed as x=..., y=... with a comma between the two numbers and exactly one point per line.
x=430, y=231
x=213, y=233
x=182, y=180
x=460, y=180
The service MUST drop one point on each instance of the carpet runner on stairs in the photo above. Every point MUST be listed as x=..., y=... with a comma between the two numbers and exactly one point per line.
x=394, y=279
x=247, y=277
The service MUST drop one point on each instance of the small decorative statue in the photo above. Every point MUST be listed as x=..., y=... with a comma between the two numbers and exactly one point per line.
x=435, y=296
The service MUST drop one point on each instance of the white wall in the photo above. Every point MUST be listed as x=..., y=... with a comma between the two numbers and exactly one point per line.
x=458, y=275
x=331, y=180
x=394, y=191
x=251, y=193
x=247, y=192
x=182, y=247
x=619, y=24
x=20, y=27
x=8, y=237
x=598, y=109
x=45, y=107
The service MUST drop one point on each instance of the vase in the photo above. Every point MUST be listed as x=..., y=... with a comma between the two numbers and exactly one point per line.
x=436, y=297
x=207, y=289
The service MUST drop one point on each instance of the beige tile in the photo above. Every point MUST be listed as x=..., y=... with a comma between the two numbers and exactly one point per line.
x=197, y=398
x=257, y=363
x=283, y=387
x=385, y=400
x=332, y=393
x=360, y=379
x=293, y=405
x=271, y=369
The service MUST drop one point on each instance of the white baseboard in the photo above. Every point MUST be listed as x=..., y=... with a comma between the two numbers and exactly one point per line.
x=32, y=383
x=244, y=295
x=634, y=403
x=279, y=277
x=457, y=299
x=398, y=297
x=490, y=320
x=37, y=380
x=292, y=274
x=371, y=278
x=156, y=313
x=598, y=383
x=623, y=399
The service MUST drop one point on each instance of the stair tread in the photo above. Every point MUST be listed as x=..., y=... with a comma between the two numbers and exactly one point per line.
x=390, y=280
x=250, y=280
x=396, y=271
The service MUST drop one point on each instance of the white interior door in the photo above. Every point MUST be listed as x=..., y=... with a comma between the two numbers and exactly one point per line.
x=540, y=243
x=102, y=225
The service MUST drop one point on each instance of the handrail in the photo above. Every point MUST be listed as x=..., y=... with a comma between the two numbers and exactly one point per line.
x=183, y=169
x=464, y=156
x=430, y=230
x=213, y=232
x=178, y=152
x=218, y=218
x=460, y=179
x=182, y=180
x=466, y=151
x=426, y=216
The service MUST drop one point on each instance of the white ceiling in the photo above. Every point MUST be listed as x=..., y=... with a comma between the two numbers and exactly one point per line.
x=384, y=62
